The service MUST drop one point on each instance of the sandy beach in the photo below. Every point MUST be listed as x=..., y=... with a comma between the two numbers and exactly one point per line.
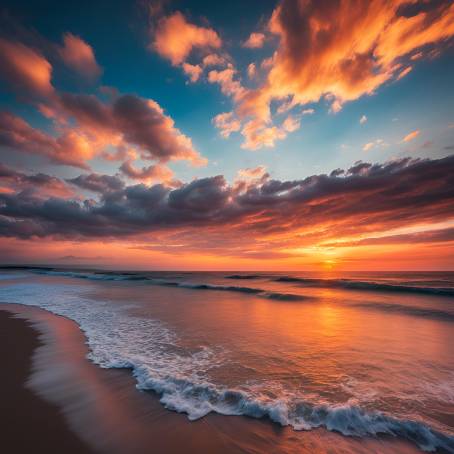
x=29, y=423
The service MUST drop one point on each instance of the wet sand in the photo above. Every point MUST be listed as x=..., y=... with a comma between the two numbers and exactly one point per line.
x=28, y=423
x=55, y=400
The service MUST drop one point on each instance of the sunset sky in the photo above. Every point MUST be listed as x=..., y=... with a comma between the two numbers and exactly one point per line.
x=291, y=135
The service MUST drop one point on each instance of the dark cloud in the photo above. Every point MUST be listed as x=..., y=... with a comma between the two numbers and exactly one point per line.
x=377, y=197
x=97, y=183
x=133, y=120
x=40, y=184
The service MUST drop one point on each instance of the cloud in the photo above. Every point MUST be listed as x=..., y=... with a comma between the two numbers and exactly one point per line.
x=69, y=148
x=40, y=184
x=308, y=112
x=25, y=69
x=352, y=55
x=98, y=183
x=412, y=135
x=251, y=70
x=252, y=173
x=84, y=127
x=229, y=86
x=193, y=71
x=255, y=41
x=266, y=214
x=404, y=72
x=430, y=236
x=79, y=55
x=175, y=38
x=329, y=51
x=148, y=174
x=291, y=124
x=257, y=136
x=131, y=120
x=376, y=143
x=363, y=120
x=226, y=123
x=214, y=60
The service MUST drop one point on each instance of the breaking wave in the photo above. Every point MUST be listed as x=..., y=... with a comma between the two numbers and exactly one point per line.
x=181, y=376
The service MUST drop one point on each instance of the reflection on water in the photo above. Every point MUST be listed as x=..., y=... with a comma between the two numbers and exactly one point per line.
x=332, y=360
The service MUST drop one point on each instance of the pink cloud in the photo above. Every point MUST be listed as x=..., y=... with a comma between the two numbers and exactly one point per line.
x=79, y=55
x=153, y=173
x=175, y=38
x=193, y=71
x=69, y=148
x=226, y=123
x=225, y=79
x=130, y=121
x=214, y=60
x=25, y=69
x=255, y=41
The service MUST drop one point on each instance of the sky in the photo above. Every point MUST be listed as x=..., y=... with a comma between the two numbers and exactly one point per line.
x=191, y=135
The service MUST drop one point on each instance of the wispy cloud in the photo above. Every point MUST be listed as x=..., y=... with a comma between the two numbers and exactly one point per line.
x=411, y=136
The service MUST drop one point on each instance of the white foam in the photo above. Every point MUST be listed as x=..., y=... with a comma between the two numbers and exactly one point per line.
x=181, y=377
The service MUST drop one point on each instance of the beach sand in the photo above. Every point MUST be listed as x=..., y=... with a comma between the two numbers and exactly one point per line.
x=28, y=423
x=55, y=400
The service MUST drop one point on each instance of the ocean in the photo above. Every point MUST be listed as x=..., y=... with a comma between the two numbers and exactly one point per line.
x=361, y=354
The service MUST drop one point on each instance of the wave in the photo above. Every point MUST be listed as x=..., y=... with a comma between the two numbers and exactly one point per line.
x=98, y=276
x=244, y=276
x=366, y=285
x=308, y=282
x=181, y=377
x=198, y=400
x=92, y=275
x=232, y=288
x=408, y=310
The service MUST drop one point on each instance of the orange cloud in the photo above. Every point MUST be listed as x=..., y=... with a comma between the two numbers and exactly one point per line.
x=251, y=70
x=403, y=73
x=214, y=60
x=412, y=135
x=255, y=41
x=175, y=38
x=193, y=71
x=252, y=172
x=226, y=123
x=78, y=55
x=71, y=148
x=153, y=173
x=348, y=52
x=225, y=79
x=130, y=122
x=291, y=124
x=376, y=143
x=25, y=69
x=257, y=135
x=336, y=52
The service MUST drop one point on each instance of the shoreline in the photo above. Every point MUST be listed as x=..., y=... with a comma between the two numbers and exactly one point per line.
x=29, y=423
x=103, y=410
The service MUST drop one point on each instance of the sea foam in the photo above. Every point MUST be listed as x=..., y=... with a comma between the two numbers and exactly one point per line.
x=117, y=339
